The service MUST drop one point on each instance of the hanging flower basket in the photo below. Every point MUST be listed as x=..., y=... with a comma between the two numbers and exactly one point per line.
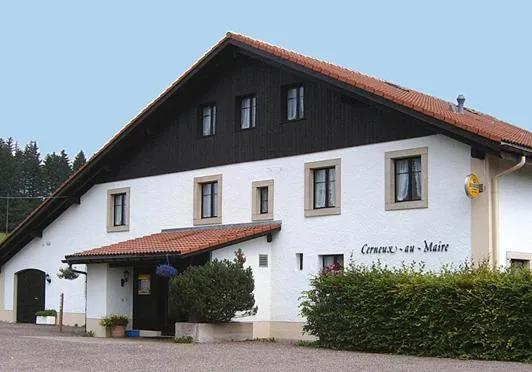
x=166, y=270
x=67, y=273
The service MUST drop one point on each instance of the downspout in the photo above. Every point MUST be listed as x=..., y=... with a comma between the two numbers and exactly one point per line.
x=495, y=210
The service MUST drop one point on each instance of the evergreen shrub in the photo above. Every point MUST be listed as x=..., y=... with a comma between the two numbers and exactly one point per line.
x=465, y=312
x=214, y=292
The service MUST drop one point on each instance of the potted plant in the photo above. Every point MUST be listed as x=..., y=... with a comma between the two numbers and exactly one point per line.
x=46, y=317
x=117, y=323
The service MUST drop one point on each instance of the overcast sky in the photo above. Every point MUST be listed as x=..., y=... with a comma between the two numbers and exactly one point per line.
x=73, y=73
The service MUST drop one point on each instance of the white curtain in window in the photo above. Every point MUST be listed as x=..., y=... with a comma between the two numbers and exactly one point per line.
x=253, y=110
x=401, y=179
x=245, y=113
x=207, y=120
x=215, y=199
x=332, y=188
x=206, y=200
x=301, y=102
x=416, y=169
x=292, y=104
x=319, y=188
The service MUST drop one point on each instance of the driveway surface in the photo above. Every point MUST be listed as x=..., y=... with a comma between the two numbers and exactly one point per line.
x=28, y=347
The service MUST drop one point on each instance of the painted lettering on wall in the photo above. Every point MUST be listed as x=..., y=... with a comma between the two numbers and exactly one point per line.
x=427, y=247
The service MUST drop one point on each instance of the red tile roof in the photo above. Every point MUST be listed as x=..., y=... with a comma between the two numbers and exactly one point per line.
x=472, y=121
x=182, y=242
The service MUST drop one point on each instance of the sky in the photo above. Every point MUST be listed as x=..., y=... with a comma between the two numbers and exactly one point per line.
x=73, y=73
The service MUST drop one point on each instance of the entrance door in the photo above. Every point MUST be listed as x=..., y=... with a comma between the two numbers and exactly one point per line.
x=30, y=294
x=150, y=300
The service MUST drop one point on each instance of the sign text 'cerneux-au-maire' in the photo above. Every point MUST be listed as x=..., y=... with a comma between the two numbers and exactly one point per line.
x=426, y=247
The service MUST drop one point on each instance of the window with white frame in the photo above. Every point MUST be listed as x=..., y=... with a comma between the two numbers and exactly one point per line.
x=322, y=188
x=406, y=179
x=208, y=120
x=262, y=200
x=118, y=209
x=294, y=102
x=208, y=200
x=248, y=111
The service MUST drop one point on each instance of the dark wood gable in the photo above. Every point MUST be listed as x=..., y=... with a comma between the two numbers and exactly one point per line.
x=172, y=141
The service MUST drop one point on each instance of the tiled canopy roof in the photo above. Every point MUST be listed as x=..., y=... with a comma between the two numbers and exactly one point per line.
x=181, y=242
x=472, y=121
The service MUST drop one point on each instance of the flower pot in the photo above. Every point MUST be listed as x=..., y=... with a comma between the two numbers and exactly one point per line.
x=118, y=331
x=48, y=320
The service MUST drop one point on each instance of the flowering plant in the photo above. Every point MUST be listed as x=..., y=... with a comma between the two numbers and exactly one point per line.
x=166, y=270
x=333, y=269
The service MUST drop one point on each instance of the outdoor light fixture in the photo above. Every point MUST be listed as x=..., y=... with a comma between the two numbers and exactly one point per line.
x=48, y=279
x=125, y=278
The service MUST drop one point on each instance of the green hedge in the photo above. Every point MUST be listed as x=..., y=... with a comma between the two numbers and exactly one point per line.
x=466, y=313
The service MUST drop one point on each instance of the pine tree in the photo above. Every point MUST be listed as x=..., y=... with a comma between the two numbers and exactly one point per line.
x=56, y=169
x=79, y=161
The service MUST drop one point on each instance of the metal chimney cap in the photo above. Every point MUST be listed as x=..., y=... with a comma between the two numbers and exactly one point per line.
x=460, y=99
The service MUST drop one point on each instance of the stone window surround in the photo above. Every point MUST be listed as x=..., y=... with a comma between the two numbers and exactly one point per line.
x=255, y=211
x=525, y=256
x=389, y=179
x=198, y=181
x=110, y=209
x=310, y=211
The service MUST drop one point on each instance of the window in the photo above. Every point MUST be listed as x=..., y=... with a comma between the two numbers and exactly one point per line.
x=208, y=120
x=118, y=209
x=519, y=259
x=209, y=197
x=248, y=112
x=263, y=260
x=332, y=261
x=406, y=178
x=262, y=203
x=322, y=188
x=294, y=99
x=208, y=200
x=299, y=261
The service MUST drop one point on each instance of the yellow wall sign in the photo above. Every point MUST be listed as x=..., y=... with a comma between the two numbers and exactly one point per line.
x=473, y=187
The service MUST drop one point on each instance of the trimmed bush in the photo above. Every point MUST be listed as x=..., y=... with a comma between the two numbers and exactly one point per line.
x=466, y=313
x=212, y=293
x=49, y=312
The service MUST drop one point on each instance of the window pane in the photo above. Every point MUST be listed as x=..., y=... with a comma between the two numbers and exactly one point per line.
x=402, y=178
x=207, y=112
x=319, y=175
x=301, y=103
x=291, y=104
x=213, y=120
x=263, y=194
x=206, y=192
x=245, y=115
x=118, y=217
x=331, y=195
x=214, y=199
x=253, y=110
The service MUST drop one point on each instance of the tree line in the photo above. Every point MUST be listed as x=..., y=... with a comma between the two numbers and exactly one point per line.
x=25, y=178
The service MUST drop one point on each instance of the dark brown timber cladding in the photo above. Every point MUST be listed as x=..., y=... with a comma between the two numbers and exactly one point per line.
x=171, y=141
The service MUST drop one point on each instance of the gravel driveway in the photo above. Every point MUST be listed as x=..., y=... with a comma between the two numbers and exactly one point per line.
x=27, y=347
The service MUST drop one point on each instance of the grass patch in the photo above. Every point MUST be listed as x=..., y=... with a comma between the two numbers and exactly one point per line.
x=307, y=343
x=2, y=236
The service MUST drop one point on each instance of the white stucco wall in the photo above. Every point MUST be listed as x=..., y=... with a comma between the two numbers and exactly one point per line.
x=261, y=275
x=166, y=201
x=515, y=212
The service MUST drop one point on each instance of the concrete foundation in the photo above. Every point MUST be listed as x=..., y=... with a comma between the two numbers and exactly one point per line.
x=204, y=332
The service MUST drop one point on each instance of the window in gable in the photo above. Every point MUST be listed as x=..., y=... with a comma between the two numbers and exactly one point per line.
x=208, y=120
x=248, y=112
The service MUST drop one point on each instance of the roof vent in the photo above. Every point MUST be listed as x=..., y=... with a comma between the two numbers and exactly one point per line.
x=460, y=99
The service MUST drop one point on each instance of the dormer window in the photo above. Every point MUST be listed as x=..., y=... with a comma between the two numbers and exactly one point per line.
x=208, y=120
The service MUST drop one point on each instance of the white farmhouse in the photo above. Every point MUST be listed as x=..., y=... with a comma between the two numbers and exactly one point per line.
x=299, y=162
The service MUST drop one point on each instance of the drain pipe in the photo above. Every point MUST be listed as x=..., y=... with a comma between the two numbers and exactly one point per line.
x=495, y=210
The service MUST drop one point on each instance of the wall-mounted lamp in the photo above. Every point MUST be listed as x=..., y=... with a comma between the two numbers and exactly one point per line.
x=125, y=278
x=48, y=279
